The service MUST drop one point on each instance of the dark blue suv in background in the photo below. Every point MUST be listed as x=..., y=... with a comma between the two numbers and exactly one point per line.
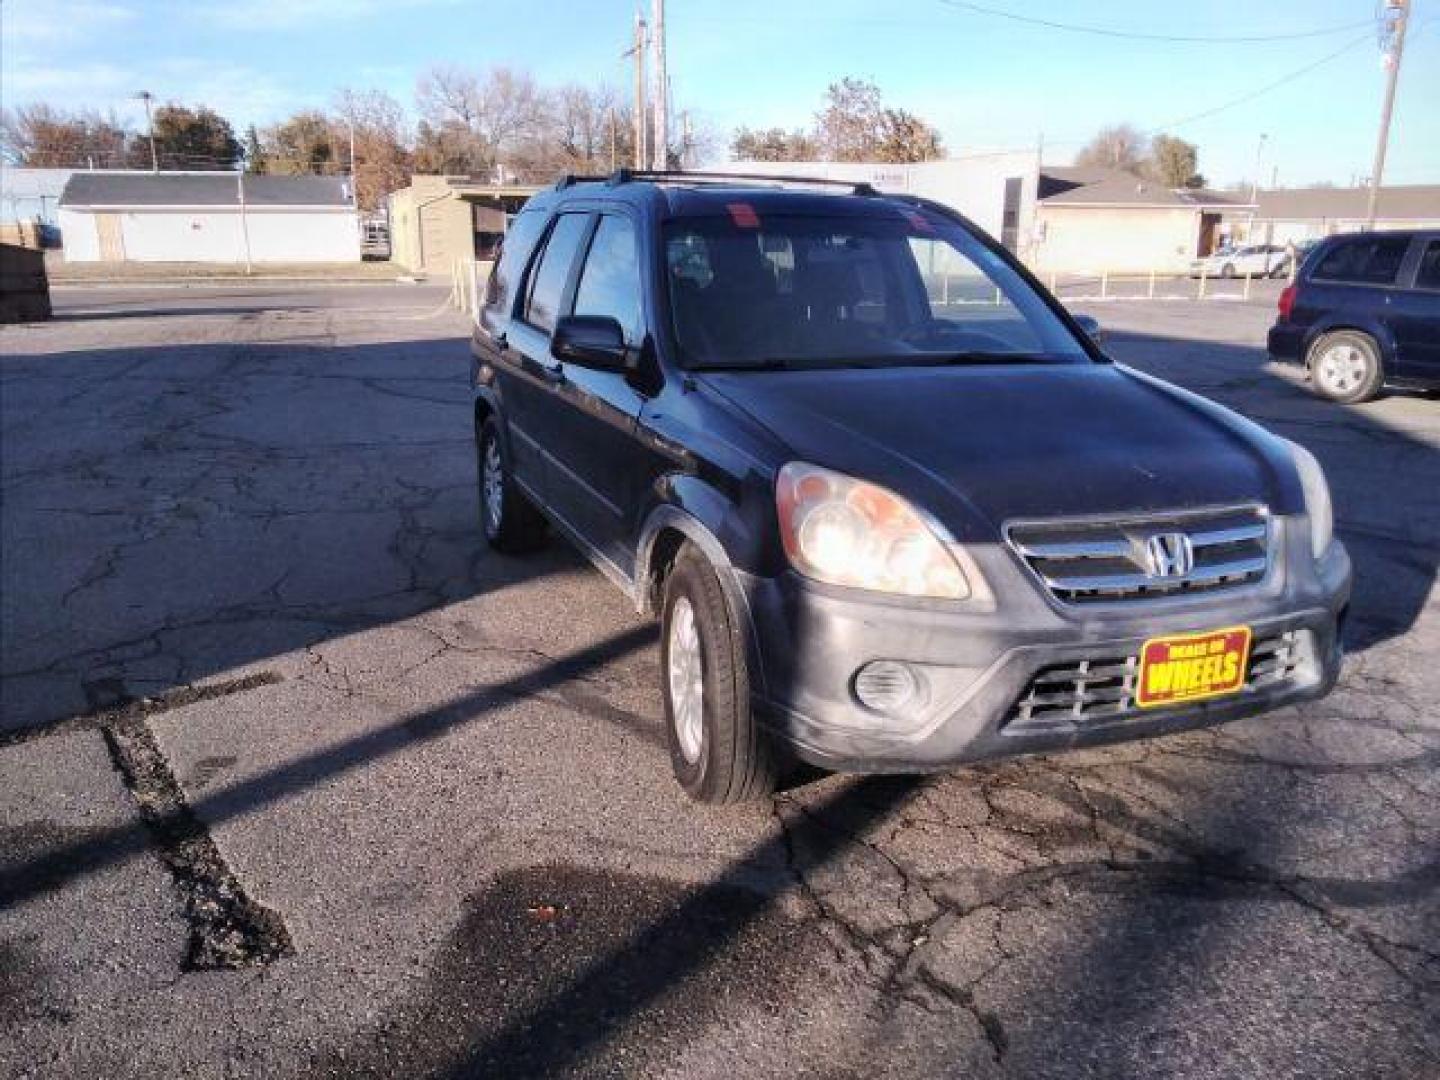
x=1364, y=312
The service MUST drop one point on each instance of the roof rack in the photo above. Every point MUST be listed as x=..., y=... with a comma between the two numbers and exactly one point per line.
x=625, y=176
x=571, y=179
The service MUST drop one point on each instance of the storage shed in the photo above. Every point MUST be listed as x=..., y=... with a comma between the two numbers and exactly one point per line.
x=210, y=217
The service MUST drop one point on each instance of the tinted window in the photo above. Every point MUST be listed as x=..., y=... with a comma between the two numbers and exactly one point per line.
x=817, y=291
x=547, y=287
x=610, y=282
x=1371, y=261
x=515, y=250
x=1428, y=276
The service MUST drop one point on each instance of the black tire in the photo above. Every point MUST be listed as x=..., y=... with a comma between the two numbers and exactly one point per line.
x=1228, y=270
x=1360, y=376
x=518, y=527
x=735, y=760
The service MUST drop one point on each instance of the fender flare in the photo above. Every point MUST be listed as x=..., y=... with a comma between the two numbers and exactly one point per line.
x=669, y=516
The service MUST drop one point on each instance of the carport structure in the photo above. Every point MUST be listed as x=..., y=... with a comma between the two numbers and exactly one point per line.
x=439, y=219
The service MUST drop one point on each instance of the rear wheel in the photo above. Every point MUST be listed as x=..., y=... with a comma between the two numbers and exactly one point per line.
x=1228, y=270
x=1346, y=367
x=507, y=518
x=717, y=748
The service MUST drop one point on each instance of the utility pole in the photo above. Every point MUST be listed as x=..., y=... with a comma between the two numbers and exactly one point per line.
x=638, y=51
x=354, y=188
x=1255, y=189
x=244, y=221
x=147, y=97
x=660, y=143
x=1395, y=16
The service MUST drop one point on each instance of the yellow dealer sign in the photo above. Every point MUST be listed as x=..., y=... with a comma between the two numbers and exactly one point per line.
x=1191, y=667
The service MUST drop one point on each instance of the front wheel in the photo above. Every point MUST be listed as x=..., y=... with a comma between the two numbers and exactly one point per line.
x=1227, y=271
x=717, y=748
x=1346, y=367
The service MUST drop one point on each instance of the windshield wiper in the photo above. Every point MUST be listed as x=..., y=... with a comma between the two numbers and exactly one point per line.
x=773, y=363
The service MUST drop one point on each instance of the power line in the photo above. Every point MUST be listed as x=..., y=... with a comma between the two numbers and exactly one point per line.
x=1258, y=91
x=1131, y=35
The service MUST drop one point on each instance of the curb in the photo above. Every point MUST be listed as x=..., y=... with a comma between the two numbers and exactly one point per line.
x=182, y=283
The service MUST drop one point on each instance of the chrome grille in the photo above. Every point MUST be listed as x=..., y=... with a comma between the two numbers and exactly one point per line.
x=1084, y=562
x=1098, y=689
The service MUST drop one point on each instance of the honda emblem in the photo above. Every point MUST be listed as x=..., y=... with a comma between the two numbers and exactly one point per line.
x=1169, y=555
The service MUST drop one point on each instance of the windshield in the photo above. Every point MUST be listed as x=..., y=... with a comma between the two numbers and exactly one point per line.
x=817, y=291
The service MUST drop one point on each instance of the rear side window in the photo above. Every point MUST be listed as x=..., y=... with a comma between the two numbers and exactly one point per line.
x=515, y=251
x=610, y=282
x=547, y=281
x=1375, y=260
x=1428, y=276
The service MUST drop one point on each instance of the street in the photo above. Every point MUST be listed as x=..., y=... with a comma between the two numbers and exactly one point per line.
x=298, y=779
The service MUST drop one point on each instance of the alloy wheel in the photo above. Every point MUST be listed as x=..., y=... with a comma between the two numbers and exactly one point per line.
x=686, y=676
x=494, y=486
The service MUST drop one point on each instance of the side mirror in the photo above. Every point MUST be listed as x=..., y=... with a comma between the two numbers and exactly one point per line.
x=1091, y=326
x=590, y=341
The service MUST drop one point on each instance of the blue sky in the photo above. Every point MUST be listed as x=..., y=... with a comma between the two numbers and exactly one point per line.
x=986, y=82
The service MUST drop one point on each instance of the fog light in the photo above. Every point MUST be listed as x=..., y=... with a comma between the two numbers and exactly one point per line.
x=885, y=686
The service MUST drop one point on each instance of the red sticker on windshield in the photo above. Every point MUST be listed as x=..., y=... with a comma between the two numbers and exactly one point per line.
x=743, y=214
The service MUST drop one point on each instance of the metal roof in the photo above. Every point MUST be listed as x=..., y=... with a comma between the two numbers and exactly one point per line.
x=1083, y=186
x=1413, y=202
x=203, y=189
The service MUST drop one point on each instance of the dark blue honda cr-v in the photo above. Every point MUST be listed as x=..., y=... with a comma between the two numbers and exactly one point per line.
x=894, y=507
x=1364, y=312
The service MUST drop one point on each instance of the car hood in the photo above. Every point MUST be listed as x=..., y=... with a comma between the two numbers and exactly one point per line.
x=982, y=445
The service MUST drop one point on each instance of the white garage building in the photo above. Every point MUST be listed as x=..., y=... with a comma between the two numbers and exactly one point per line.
x=209, y=217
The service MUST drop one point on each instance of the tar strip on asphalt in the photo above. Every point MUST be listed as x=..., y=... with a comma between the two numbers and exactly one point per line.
x=228, y=928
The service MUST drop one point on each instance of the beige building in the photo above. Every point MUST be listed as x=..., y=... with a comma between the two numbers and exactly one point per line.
x=1092, y=221
x=439, y=219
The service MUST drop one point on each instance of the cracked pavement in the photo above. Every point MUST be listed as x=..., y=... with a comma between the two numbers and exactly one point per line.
x=242, y=522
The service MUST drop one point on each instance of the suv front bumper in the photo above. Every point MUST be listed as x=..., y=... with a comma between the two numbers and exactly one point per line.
x=973, y=667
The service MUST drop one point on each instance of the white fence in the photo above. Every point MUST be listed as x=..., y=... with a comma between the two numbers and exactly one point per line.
x=467, y=286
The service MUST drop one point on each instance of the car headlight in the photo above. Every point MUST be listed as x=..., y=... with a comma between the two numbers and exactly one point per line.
x=850, y=532
x=1317, y=499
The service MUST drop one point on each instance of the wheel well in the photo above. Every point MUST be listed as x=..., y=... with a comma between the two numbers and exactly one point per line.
x=1331, y=331
x=663, y=550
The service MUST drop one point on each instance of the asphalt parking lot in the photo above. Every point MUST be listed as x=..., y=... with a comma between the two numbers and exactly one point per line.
x=297, y=779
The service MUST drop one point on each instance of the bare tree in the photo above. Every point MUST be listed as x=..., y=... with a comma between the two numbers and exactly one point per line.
x=854, y=125
x=501, y=114
x=847, y=127
x=45, y=137
x=382, y=157
x=773, y=144
x=1118, y=146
